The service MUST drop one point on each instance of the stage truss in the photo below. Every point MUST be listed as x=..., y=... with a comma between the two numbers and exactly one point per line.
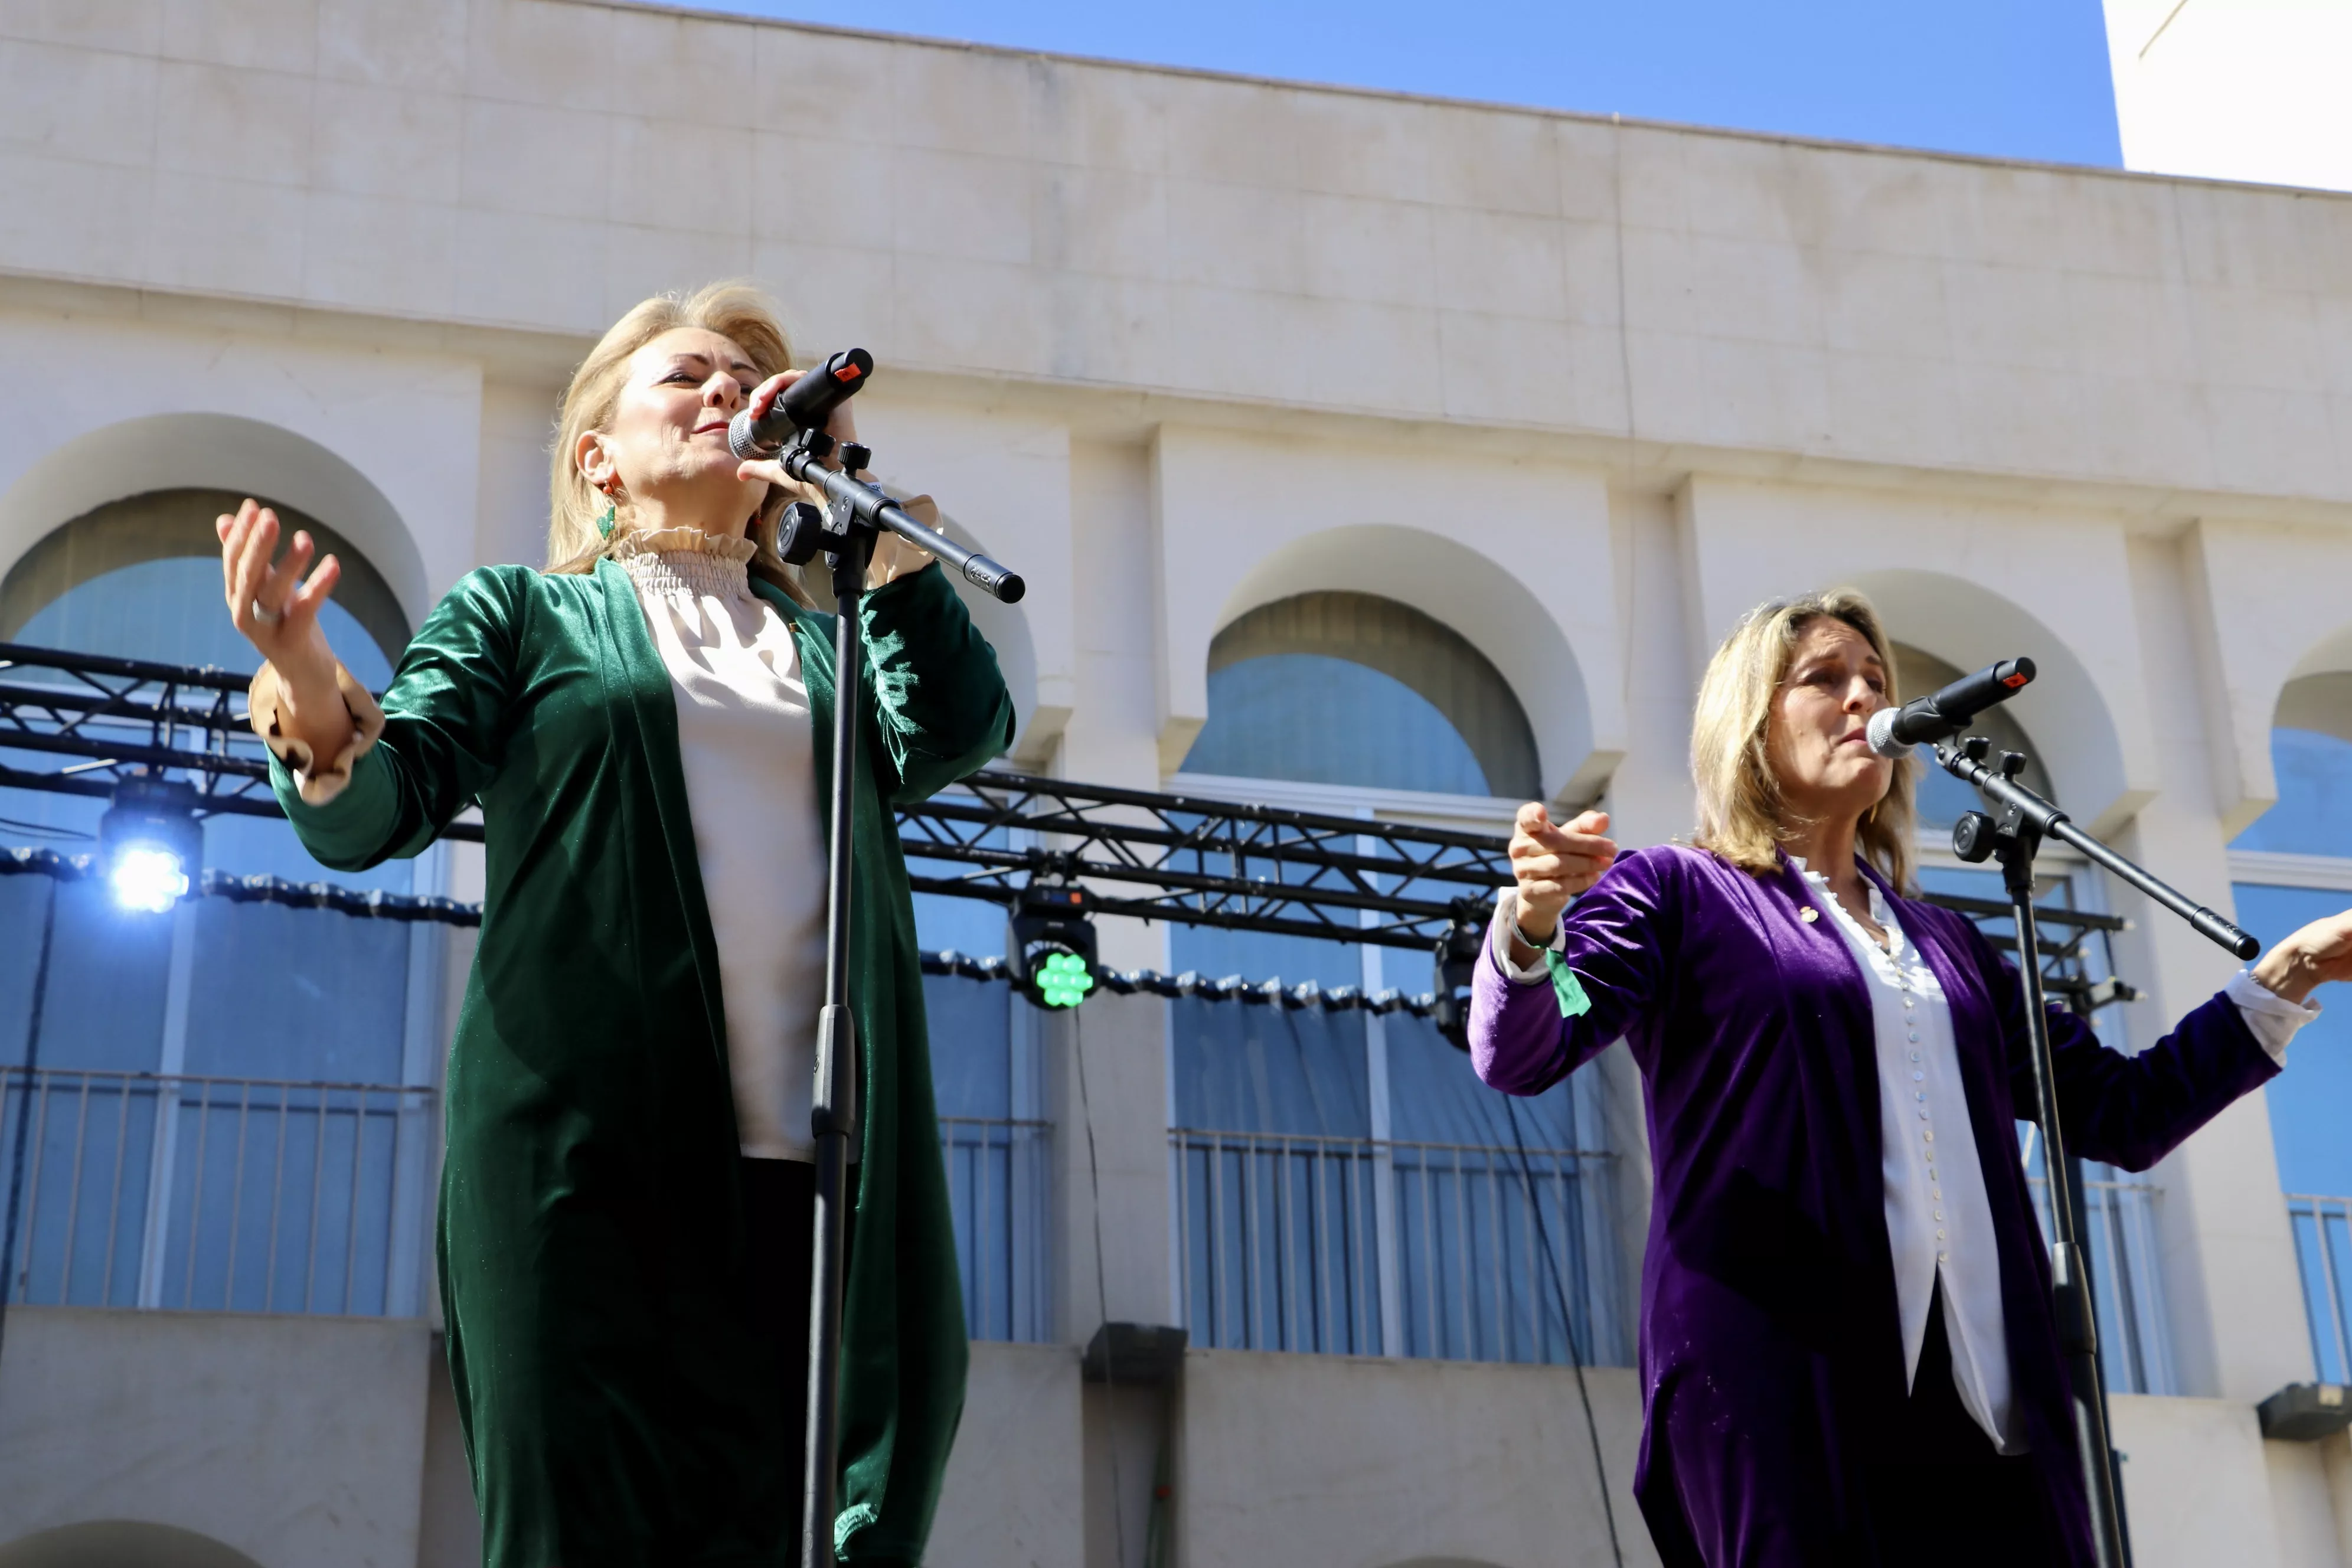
x=78, y=723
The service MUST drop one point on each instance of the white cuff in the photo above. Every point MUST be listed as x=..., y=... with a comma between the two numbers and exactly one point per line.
x=1506, y=925
x=2272, y=1017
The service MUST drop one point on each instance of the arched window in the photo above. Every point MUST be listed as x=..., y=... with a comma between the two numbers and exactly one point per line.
x=2293, y=865
x=1352, y=689
x=141, y=578
x=1369, y=699
x=1942, y=798
x=2311, y=753
x=182, y=1033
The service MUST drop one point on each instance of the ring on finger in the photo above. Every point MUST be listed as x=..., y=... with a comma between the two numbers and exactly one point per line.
x=264, y=616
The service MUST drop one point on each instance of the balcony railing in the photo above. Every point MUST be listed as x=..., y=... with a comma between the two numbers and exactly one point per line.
x=998, y=1179
x=2120, y=1239
x=2323, y=1245
x=240, y=1194
x=1365, y=1247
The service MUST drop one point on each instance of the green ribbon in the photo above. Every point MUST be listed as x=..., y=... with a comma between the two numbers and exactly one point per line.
x=1565, y=986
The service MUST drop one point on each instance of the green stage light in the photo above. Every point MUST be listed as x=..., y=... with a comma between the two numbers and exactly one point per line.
x=1063, y=980
x=1053, y=943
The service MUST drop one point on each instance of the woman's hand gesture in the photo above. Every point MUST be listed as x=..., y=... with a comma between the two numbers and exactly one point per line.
x=893, y=557
x=1553, y=865
x=278, y=612
x=2319, y=952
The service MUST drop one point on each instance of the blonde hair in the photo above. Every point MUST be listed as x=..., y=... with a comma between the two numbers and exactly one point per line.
x=736, y=312
x=1742, y=815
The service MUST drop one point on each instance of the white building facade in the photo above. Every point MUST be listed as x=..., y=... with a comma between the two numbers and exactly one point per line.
x=1186, y=350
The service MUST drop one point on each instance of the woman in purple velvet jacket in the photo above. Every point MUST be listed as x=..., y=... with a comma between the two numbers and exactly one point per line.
x=1848, y=1352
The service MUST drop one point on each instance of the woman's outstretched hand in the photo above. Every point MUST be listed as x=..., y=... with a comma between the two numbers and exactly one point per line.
x=278, y=612
x=2319, y=952
x=1554, y=864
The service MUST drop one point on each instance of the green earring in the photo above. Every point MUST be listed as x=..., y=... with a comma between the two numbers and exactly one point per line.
x=606, y=520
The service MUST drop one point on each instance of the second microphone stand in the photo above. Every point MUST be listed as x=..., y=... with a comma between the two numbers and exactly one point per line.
x=2012, y=834
x=847, y=528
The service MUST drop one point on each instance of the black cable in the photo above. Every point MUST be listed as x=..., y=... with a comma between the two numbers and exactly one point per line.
x=44, y=830
x=24, y=1113
x=1568, y=1324
x=1102, y=1294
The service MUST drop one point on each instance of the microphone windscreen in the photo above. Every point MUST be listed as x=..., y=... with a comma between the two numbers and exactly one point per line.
x=743, y=439
x=1882, y=735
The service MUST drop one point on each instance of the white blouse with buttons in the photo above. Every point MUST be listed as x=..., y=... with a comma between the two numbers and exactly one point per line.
x=1938, y=1218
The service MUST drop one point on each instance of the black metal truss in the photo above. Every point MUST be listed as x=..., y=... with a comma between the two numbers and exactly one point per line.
x=1150, y=856
x=367, y=903
x=1203, y=862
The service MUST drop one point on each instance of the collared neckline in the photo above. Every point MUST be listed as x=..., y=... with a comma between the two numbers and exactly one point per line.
x=1897, y=942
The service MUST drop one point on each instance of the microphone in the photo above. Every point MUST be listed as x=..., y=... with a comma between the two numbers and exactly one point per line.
x=1894, y=731
x=806, y=404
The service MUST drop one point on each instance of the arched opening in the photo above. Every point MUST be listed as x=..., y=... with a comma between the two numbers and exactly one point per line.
x=140, y=578
x=2292, y=865
x=1358, y=691
x=2084, y=763
x=2311, y=758
x=1941, y=797
x=178, y=1024
x=1571, y=704
x=120, y=1543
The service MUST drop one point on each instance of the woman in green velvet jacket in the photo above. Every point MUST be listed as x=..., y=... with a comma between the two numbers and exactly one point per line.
x=621, y=1326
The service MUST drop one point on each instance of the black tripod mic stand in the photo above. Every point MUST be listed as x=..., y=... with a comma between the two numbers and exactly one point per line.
x=2012, y=834
x=846, y=529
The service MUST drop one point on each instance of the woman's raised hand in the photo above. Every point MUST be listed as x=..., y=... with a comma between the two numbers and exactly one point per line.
x=2319, y=952
x=278, y=612
x=1554, y=864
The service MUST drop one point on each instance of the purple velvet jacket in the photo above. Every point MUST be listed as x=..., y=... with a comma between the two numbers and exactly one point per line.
x=1771, y=1363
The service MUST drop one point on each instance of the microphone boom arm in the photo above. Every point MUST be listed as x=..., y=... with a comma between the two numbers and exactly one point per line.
x=872, y=505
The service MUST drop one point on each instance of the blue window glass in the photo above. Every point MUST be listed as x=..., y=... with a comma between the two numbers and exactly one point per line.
x=2308, y=1105
x=221, y=1118
x=1319, y=719
x=2313, y=814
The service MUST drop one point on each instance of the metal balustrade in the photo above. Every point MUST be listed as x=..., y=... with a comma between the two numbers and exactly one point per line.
x=241, y=1194
x=1359, y=1246
x=2127, y=1291
x=998, y=1173
x=2322, y=1244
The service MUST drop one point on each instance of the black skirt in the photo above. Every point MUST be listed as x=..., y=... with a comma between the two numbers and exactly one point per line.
x=780, y=1215
x=1943, y=1496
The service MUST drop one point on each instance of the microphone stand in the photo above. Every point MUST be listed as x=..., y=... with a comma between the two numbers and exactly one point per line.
x=2013, y=834
x=847, y=529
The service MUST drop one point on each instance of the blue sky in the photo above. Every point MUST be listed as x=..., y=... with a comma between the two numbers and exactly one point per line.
x=2013, y=79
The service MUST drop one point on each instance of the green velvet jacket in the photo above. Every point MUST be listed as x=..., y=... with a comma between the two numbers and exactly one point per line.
x=590, y=1242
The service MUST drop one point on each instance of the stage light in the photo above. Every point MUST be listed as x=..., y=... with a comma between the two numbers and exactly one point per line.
x=1053, y=946
x=1456, y=963
x=147, y=876
x=150, y=846
x=1064, y=981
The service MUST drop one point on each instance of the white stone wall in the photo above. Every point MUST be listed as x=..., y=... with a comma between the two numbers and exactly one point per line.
x=1175, y=346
